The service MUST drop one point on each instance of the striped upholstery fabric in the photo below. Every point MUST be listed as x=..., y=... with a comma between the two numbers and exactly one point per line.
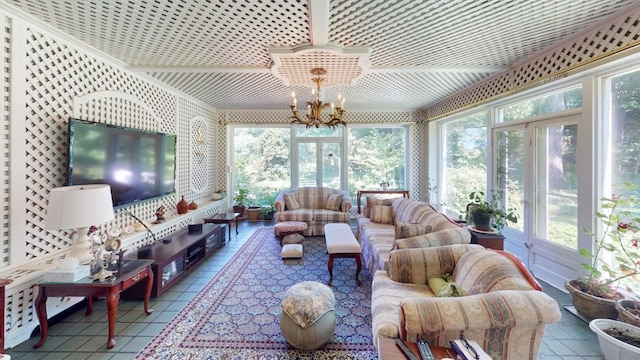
x=376, y=237
x=377, y=240
x=416, y=266
x=411, y=211
x=313, y=212
x=499, y=273
x=436, y=238
x=508, y=324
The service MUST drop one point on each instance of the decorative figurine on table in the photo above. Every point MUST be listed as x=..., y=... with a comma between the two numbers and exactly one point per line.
x=159, y=215
x=107, y=255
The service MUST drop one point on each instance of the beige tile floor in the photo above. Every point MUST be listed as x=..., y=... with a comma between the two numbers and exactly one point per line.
x=76, y=336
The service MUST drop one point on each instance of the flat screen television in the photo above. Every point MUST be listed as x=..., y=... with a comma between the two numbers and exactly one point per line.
x=138, y=165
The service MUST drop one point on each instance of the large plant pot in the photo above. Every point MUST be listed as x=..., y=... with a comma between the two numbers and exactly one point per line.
x=612, y=348
x=589, y=306
x=626, y=315
x=253, y=213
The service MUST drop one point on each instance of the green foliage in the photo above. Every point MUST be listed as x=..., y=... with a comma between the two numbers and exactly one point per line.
x=241, y=197
x=501, y=216
x=615, y=255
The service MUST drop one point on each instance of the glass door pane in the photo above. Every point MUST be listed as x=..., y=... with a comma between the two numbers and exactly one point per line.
x=307, y=164
x=331, y=165
x=556, y=186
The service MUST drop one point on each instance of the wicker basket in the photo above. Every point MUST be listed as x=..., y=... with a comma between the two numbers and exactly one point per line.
x=589, y=306
x=624, y=314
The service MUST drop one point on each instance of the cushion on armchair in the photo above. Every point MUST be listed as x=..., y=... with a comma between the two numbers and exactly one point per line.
x=333, y=202
x=382, y=214
x=291, y=202
x=481, y=272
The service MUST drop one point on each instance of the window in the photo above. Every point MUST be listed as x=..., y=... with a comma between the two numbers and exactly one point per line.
x=376, y=155
x=464, y=167
x=545, y=104
x=622, y=145
x=262, y=162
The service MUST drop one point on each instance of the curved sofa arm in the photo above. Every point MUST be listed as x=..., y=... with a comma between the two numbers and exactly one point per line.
x=439, y=238
x=278, y=203
x=439, y=320
x=346, y=204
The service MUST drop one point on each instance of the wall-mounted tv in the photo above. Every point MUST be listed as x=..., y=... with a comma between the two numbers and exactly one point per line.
x=138, y=165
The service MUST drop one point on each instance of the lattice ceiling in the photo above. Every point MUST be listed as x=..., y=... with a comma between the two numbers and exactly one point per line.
x=419, y=52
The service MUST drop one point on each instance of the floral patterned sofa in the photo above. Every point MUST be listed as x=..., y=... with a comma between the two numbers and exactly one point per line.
x=501, y=307
x=403, y=223
x=316, y=206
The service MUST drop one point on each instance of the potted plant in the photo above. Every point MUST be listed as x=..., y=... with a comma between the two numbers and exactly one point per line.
x=617, y=340
x=614, y=258
x=267, y=212
x=489, y=215
x=240, y=199
x=253, y=212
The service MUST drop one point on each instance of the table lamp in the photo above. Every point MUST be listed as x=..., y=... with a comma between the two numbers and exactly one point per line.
x=78, y=207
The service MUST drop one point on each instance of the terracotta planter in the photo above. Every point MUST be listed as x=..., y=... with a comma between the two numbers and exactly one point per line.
x=624, y=314
x=589, y=306
x=253, y=213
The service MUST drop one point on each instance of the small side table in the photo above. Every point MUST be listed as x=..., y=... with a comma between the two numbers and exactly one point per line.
x=224, y=218
x=131, y=274
x=490, y=241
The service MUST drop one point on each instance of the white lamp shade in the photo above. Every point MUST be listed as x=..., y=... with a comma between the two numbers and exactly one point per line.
x=79, y=206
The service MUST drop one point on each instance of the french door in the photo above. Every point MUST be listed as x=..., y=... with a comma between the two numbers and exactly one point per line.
x=320, y=163
x=536, y=171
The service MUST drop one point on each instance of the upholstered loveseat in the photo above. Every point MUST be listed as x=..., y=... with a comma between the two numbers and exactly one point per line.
x=501, y=307
x=316, y=206
x=403, y=223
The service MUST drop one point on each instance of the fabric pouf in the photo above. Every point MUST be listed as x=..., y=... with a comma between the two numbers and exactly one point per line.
x=284, y=228
x=293, y=239
x=308, y=317
x=291, y=251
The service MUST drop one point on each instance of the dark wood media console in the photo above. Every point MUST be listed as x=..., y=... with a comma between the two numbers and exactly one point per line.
x=174, y=259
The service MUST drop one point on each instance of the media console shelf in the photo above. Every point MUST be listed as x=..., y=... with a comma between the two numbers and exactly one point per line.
x=176, y=258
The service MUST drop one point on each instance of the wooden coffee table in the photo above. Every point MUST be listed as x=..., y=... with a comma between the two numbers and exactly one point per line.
x=388, y=350
x=224, y=218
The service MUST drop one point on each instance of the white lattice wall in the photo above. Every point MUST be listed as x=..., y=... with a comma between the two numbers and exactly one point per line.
x=61, y=81
x=610, y=38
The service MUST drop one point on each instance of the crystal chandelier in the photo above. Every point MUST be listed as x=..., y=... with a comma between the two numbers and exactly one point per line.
x=316, y=106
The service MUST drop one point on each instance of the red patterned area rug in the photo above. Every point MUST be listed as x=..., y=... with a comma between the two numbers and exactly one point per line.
x=237, y=314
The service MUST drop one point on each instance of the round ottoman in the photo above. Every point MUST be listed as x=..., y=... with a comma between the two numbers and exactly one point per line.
x=308, y=317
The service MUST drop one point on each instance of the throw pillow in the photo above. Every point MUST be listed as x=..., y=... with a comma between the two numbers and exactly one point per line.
x=405, y=230
x=442, y=286
x=382, y=214
x=371, y=202
x=291, y=202
x=333, y=202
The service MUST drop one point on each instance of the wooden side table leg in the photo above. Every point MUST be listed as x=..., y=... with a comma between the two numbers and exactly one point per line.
x=330, y=266
x=41, y=309
x=359, y=267
x=229, y=228
x=236, y=225
x=112, y=312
